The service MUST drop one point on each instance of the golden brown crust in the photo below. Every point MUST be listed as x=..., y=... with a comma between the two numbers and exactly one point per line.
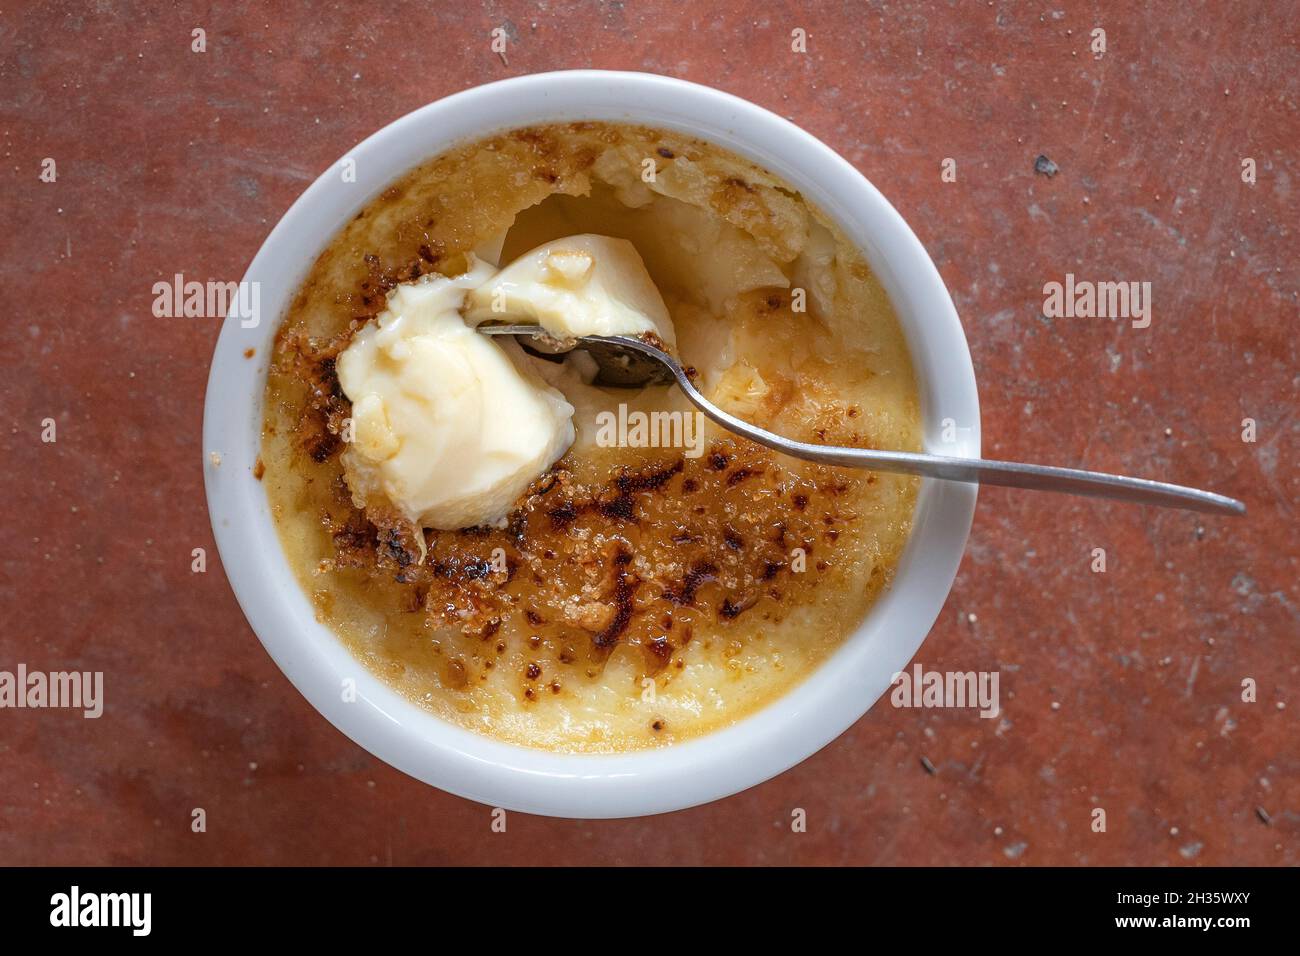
x=652, y=552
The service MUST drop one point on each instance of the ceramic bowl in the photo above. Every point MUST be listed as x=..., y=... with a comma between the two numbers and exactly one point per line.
x=504, y=775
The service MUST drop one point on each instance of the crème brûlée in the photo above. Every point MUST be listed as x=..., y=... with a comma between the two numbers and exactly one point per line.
x=454, y=506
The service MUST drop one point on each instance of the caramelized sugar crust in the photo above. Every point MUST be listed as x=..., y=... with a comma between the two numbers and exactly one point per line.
x=639, y=560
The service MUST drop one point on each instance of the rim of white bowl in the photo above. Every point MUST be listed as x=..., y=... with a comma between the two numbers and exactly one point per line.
x=500, y=774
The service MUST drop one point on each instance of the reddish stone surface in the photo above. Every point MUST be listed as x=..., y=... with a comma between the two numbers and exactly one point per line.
x=1120, y=690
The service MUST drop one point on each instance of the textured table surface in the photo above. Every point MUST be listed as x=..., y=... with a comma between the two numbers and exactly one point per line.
x=1120, y=690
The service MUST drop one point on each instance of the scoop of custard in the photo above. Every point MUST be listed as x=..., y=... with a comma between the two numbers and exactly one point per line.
x=449, y=427
x=579, y=285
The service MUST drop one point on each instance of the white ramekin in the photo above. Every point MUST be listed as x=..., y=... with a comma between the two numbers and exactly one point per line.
x=534, y=781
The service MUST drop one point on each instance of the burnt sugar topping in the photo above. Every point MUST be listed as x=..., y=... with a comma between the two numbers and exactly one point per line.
x=638, y=560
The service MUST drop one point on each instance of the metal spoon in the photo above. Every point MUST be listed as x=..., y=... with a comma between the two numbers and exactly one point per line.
x=627, y=362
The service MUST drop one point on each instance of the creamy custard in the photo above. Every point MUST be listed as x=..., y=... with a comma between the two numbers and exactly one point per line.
x=449, y=427
x=633, y=594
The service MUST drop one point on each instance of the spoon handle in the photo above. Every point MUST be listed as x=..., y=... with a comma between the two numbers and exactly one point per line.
x=974, y=470
x=977, y=470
